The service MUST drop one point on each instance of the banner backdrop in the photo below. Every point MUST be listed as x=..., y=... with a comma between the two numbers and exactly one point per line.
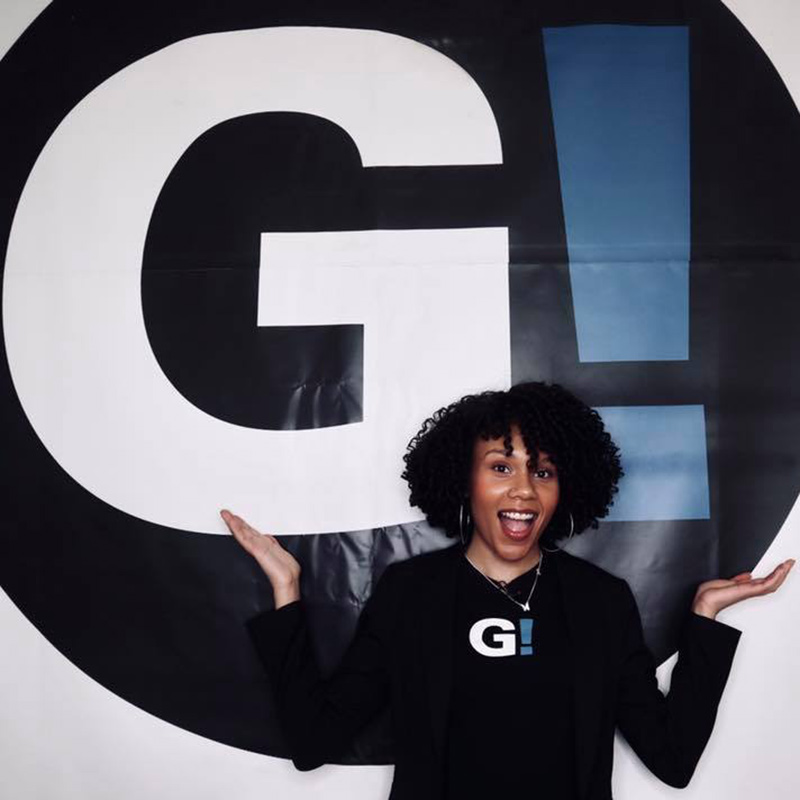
x=248, y=248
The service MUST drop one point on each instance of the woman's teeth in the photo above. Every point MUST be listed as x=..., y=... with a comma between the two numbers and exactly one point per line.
x=517, y=524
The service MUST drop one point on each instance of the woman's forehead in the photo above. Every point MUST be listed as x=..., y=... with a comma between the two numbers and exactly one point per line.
x=486, y=443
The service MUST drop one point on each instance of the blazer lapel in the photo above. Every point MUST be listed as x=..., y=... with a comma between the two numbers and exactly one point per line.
x=438, y=598
x=586, y=638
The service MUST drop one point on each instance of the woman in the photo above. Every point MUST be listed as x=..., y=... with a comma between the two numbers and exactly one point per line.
x=507, y=663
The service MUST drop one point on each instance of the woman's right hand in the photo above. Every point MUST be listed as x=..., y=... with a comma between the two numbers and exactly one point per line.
x=279, y=565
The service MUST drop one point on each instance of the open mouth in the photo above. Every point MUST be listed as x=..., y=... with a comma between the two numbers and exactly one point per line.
x=517, y=525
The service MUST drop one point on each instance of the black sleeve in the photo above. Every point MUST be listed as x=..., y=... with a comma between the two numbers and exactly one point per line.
x=670, y=733
x=321, y=717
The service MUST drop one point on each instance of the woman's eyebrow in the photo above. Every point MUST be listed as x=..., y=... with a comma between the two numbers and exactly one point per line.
x=494, y=450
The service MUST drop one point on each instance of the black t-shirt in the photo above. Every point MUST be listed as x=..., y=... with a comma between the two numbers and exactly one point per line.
x=511, y=731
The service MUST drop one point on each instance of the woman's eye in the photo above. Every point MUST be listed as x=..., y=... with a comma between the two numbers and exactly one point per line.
x=500, y=468
x=543, y=473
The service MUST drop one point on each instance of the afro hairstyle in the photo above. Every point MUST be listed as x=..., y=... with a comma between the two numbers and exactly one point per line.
x=438, y=460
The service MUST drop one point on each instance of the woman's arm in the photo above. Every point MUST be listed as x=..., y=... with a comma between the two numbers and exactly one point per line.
x=321, y=717
x=670, y=733
x=318, y=717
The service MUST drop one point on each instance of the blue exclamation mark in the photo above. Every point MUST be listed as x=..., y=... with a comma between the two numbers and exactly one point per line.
x=620, y=102
x=525, y=630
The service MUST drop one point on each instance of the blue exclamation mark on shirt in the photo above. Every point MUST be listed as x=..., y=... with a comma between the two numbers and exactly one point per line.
x=525, y=630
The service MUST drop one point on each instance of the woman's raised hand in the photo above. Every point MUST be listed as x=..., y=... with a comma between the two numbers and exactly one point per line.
x=712, y=596
x=279, y=565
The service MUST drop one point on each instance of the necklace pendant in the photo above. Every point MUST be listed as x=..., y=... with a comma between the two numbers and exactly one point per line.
x=526, y=607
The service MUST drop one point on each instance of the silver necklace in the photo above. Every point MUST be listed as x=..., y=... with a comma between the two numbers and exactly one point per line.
x=526, y=606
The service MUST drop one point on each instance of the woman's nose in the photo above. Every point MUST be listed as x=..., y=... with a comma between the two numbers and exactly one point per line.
x=524, y=486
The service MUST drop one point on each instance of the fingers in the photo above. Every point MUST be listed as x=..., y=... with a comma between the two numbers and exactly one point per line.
x=247, y=536
x=747, y=577
x=236, y=525
x=719, y=594
x=771, y=582
x=243, y=532
x=778, y=575
x=719, y=583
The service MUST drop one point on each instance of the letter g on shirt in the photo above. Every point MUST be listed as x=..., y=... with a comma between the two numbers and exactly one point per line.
x=503, y=640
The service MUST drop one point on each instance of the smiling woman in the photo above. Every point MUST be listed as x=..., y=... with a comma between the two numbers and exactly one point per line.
x=514, y=497
x=488, y=657
x=535, y=448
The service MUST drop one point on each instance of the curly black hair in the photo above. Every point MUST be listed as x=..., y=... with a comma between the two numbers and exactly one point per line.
x=550, y=419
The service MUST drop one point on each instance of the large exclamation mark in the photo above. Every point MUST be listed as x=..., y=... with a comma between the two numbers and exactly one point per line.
x=525, y=630
x=620, y=101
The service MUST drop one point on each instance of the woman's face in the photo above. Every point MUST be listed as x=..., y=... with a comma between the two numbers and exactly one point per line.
x=513, y=499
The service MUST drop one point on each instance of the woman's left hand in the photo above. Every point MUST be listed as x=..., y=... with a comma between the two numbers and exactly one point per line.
x=712, y=596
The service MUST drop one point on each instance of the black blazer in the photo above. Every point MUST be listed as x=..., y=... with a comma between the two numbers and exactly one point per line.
x=402, y=655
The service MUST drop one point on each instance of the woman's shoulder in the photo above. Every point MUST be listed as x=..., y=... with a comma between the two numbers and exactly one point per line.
x=584, y=567
x=430, y=563
x=413, y=579
x=591, y=578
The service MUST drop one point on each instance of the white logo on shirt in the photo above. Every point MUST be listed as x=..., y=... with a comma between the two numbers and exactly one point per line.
x=503, y=639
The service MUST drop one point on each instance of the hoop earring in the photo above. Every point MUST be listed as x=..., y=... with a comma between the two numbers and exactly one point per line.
x=464, y=522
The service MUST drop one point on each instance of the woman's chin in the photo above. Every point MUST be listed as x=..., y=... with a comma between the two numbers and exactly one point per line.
x=516, y=547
